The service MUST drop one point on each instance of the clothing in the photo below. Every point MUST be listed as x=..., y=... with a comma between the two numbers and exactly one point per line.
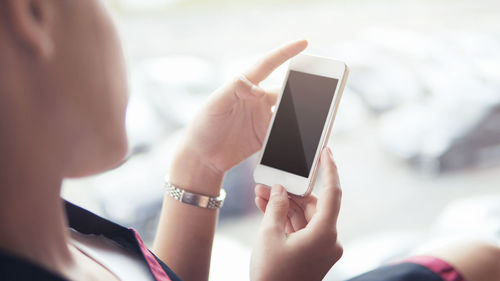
x=90, y=225
x=16, y=268
x=420, y=268
x=123, y=263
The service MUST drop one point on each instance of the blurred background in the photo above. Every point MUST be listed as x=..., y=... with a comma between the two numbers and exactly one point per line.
x=416, y=138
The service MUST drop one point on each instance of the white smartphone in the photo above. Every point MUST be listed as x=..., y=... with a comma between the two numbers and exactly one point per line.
x=301, y=123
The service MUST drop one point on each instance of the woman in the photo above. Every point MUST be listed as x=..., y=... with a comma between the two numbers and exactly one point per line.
x=62, y=105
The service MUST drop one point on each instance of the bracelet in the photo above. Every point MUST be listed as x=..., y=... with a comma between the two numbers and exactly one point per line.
x=195, y=199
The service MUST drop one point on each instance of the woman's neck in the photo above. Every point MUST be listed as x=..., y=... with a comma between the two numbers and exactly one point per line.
x=32, y=218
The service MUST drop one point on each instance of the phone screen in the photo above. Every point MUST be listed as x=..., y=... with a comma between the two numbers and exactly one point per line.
x=299, y=122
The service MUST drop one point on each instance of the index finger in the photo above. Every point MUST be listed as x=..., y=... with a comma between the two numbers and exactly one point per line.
x=328, y=205
x=274, y=59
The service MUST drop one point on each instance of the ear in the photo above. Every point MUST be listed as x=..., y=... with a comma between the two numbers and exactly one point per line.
x=32, y=22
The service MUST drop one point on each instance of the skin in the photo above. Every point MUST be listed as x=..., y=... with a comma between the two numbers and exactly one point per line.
x=62, y=105
x=300, y=233
x=63, y=98
x=230, y=128
x=475, y=260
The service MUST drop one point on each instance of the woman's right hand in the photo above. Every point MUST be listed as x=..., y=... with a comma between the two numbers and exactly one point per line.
x=298, y=235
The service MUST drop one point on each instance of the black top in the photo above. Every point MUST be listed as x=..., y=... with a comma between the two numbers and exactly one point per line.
x=400, y=272
x=16, y=268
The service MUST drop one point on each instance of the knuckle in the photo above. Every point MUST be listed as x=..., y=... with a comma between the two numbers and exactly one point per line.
x=268, y=230
x=238, y=81
x=334, y=166
x=332, y=171
x=328, y=246
x=333, y=234
x=333, y=174
x=338, y=251
x=328, y=236
x=334, y=248
x=334, y=187
x=337, y=191
x=279, y=202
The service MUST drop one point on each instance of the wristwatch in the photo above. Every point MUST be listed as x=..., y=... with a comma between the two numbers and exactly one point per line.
x=195, y=199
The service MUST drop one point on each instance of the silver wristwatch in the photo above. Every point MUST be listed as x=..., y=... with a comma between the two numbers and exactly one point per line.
x=195, y=199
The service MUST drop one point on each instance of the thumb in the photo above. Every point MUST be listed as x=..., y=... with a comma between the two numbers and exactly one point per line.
x=275, y=216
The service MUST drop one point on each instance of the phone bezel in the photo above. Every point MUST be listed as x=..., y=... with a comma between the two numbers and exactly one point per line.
x=320, y=66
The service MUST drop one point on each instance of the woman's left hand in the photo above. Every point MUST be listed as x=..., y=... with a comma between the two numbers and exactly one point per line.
x=233, y=123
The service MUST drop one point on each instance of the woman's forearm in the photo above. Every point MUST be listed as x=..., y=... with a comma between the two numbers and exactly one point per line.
x=185, y=233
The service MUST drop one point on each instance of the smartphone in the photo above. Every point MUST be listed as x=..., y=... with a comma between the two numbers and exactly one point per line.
x=301, y=123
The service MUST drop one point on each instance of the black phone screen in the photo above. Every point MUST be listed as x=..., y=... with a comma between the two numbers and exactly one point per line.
x=299, y=122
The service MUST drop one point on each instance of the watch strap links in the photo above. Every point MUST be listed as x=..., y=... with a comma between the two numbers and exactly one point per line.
x=195, y=199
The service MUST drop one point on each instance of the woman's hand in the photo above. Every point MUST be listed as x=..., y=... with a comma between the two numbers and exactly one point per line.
x=298, y=236
x=233, y=123
x=230, y=127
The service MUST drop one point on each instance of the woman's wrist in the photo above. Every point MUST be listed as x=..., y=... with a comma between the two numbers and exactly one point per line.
x=190, y=172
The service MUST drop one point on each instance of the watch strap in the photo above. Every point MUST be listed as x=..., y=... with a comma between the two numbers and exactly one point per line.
x=195, y=199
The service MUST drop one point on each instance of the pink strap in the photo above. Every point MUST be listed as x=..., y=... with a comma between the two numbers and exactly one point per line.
x=154, y=266
x=438, y=266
